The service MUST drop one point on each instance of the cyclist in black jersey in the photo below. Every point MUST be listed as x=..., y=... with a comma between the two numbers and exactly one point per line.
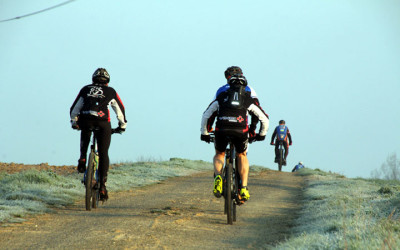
x=89, y=110
x=230, y=108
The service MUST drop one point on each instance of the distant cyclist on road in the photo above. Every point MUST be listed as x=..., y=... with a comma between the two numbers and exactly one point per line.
x=298, y=167
x=89, y=110
x=230, y=108
x=282, y=134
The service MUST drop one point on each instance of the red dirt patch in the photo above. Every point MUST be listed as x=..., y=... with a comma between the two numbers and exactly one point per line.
x=12, y=167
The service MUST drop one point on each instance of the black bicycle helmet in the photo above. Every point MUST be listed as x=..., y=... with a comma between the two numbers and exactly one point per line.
x=101, y=76
x=233, y=70
x=237, y=80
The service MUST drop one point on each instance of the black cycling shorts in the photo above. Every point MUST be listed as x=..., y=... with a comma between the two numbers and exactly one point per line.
x=239, y=139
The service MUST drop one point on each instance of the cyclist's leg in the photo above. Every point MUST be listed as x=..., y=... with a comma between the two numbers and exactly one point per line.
x=241, y=143
x=84, y=144
x=276, y=150
x=243, y=165
x=218, y=161
x=286, y=146
x=103, y=144
x=220, y=146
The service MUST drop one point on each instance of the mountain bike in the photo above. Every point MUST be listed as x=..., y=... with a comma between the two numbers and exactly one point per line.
x=91, y=178
x=231, y=183
x=280, y=155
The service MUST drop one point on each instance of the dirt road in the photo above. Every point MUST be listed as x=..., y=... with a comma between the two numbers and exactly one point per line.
x=180, y=213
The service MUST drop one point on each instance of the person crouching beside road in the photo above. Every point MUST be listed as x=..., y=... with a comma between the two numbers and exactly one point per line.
x=230, y=108
x=90, y=109
x=298, y=167
x=282, y=134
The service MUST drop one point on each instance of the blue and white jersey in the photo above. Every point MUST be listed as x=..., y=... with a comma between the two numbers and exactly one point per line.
x=226, y=87
x=297, y=167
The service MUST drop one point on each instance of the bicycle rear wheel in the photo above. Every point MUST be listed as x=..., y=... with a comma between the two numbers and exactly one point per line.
x=95, y=198
x=236, y=182
x=228, y=198
x=89, y=181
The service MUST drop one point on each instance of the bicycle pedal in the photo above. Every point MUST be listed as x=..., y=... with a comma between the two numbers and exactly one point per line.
x=241, y=201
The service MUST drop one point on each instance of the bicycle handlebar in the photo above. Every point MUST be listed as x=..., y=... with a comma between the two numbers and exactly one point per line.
x=212, y=138
x=92, y=129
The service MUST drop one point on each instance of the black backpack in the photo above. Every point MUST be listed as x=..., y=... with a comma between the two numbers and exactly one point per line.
x=233, y=105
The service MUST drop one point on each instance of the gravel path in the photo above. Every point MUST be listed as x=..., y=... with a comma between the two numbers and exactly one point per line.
x=180, y=213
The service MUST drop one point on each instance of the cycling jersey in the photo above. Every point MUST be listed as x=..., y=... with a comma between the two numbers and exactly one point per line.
x=282, y=133
x=93, y=100
x=233, y=118
x=91, y=105
x=253, y=94
x=297, y=167
x=227, y=86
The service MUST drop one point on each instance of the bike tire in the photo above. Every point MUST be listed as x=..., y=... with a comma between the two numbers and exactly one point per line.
x=89, y=181
x=224, y=190
x=280, y=163
x=95, y=189
x=229, y=200
x=236, y=191
x=95, y=198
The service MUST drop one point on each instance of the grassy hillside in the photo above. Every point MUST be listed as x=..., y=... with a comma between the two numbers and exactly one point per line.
x=341, y=213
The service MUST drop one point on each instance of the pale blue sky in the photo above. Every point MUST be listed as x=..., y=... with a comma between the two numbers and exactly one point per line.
x=331, y=69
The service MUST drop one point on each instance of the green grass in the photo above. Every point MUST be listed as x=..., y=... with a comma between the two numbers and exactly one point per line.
x=341, y=213
x=33, y=192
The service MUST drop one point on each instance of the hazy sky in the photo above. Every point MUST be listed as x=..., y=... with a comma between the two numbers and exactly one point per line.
x=331, y=69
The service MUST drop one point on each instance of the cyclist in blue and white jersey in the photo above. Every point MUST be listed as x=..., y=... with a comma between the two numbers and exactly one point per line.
x=282, y=134
x=230, y=109
x=236, y=70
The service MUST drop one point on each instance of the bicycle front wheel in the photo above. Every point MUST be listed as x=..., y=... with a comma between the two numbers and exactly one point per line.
x=280, y=163
x=89, y=181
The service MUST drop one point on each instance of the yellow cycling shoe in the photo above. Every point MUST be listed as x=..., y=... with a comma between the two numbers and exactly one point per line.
x=244, y=193
x=218, y=186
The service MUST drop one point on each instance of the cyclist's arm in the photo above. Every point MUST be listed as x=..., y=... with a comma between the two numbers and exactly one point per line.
x=254, y=119
x=273, y=136
x=262, y=116
x=76, y=108
x=119, y=110
x=208, y=117
x=289, y=136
